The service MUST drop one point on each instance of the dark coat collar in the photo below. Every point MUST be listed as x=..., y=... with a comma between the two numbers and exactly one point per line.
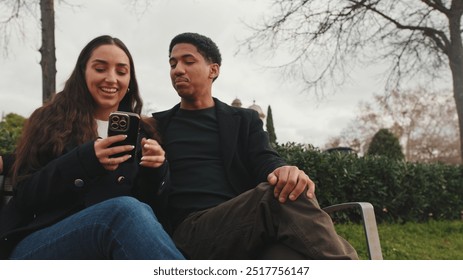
x=228, y=121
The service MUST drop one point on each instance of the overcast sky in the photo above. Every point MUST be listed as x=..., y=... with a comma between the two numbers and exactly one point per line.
x=298, y=117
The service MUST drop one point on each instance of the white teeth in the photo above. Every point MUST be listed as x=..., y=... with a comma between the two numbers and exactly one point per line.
x=109, y=90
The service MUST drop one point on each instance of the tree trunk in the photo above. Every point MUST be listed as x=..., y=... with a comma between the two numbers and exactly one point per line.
x=455, y=54
x=458, y=95
x=47, y=50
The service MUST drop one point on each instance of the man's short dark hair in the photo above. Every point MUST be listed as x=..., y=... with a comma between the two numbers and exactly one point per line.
x=206, y=47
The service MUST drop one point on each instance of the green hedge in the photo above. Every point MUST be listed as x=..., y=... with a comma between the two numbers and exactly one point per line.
x=398, y=190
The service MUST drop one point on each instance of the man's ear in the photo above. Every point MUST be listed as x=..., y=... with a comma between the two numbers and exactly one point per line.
x=214, y=71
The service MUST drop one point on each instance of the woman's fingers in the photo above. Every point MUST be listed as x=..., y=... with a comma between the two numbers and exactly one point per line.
x=105, y=153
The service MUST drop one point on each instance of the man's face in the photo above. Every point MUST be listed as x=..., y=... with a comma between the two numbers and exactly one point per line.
x=190, y=73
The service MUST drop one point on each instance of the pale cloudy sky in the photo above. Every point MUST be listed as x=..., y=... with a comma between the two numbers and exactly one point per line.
x=298, y=117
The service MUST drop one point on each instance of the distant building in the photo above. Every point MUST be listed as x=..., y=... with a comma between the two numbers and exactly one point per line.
x=236, y=103
x=254, y=106
x=258, y=109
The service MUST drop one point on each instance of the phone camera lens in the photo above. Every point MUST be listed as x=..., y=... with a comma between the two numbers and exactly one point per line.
x=123, y=123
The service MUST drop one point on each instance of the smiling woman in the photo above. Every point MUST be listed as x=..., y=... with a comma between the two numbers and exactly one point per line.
x=108, y=76
x=75, y=197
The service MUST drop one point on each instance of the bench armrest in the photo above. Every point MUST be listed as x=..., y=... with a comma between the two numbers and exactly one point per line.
x=369, y=225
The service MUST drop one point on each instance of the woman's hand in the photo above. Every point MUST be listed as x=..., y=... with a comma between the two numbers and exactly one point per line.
x=103, y=152
x=152, y=153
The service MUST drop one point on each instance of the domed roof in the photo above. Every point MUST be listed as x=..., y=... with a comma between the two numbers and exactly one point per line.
x=236, y=103
x=257, y=108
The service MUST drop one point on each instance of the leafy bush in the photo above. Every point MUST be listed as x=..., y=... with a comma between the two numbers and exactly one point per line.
x=398, y=190
x=10, y=131
x=384, y=143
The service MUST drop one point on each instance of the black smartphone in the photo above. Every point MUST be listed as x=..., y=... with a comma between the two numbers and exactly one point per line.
x=124, y=123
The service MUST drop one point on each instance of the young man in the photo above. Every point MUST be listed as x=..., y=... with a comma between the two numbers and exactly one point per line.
x=232, y=196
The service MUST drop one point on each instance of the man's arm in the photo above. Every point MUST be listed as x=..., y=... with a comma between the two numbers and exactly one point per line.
x=1, y=165
x=289, y=181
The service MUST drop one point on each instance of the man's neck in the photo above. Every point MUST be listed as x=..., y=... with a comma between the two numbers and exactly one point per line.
x=196, y=104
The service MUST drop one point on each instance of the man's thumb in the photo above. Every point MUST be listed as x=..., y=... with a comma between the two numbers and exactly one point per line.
x=272, y=178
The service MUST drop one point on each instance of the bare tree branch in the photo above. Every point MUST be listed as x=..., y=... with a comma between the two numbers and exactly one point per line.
x=438, y=5
x=437, y=36
x=12, y=15
x=424, y=121
x=319, y=40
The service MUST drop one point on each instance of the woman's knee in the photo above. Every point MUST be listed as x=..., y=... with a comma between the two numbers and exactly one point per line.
x=125, y=203
x=126, y=206
x=120, y=202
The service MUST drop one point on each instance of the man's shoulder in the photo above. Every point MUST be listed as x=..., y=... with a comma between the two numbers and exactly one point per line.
x=223, y=107
x=161, y=113
x=165, y=113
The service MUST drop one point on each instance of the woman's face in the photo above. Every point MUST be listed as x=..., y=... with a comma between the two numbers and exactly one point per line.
x=108, y=76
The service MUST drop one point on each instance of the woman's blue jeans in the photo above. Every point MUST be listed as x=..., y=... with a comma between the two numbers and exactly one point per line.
x=118, y=228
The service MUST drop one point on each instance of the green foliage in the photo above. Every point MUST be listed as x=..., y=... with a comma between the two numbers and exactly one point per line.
x=10, y=131
x=270, y=128
x=433, y=240
x=398, y=190
x=384, y=143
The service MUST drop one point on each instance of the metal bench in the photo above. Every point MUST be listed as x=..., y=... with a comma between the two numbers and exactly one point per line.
x=369, y=225
x=366, y=210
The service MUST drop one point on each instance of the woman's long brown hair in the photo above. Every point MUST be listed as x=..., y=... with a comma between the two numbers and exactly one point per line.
x=67, y=120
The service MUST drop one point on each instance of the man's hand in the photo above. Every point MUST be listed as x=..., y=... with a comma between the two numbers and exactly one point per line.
x=152, y=153
x=290, y=182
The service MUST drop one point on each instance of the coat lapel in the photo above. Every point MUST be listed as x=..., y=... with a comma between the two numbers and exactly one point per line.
x=229, y=123
x=163, y=119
